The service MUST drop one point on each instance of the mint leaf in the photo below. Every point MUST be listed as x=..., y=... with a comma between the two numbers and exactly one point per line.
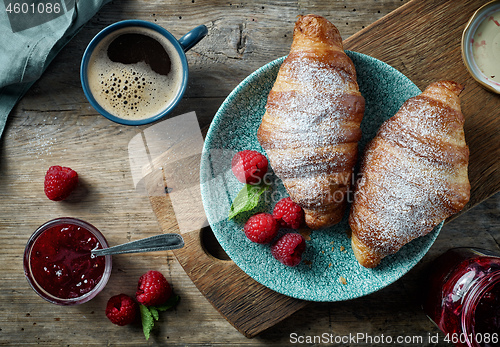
x=170, y=303
x=151, y=313
x=147, y=320
x=247, y=199
x=154, y=312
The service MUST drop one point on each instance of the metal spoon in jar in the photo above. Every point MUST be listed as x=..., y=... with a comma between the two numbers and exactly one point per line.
x=163, y=242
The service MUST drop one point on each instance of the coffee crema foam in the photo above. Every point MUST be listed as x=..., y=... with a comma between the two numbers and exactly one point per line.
x=133, y=91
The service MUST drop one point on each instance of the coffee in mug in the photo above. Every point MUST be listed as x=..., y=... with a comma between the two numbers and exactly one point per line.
x=134, y=72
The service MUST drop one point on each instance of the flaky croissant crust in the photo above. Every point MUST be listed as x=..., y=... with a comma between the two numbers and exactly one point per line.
x=311, y=128
x=413, y=175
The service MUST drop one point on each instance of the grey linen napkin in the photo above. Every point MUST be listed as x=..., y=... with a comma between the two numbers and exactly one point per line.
x=32, y=32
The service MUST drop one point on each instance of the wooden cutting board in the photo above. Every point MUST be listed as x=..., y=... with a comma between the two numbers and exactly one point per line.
x=422, y=40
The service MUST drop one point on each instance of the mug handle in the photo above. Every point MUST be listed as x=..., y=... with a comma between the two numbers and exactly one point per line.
x=193, y=37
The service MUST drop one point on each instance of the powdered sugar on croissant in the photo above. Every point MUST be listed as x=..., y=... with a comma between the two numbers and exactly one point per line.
x=311, y=125
x=413, y=174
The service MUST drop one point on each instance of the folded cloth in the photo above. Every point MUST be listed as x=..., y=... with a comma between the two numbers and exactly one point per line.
x=32, y=32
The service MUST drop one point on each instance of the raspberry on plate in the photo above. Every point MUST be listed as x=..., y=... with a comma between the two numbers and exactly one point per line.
x=121, y=309
x=288, y=214
x=288, y=249
x=249, y=166
x=261, y=228
x=60, y=182
x=153, y=289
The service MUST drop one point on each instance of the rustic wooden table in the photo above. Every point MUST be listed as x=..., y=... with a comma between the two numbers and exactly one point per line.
x=55, y=125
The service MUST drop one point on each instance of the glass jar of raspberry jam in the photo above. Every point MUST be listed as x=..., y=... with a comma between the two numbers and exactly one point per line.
x=58, y=263
x=463, y=296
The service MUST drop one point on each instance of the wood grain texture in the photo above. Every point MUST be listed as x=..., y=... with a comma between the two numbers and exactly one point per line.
x=54, y=124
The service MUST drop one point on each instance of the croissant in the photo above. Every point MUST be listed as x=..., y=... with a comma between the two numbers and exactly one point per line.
x=312, y=121
x=413, y=174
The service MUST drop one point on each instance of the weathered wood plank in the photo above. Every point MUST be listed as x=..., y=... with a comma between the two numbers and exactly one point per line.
x=53, y=124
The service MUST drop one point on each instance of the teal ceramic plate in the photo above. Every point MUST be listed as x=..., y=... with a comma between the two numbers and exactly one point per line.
x=328, y=257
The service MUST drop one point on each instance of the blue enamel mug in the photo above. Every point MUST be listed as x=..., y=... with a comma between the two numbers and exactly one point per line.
x=138, y=88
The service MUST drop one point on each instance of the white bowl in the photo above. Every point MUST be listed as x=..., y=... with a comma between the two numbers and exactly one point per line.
x=481, y=46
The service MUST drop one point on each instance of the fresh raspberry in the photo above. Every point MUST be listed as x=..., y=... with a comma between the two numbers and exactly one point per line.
x=249, y=166
x=121, y=309
x=153, y=289
x=288, y=214
x=261, y=228
x=60, y=182
x=289, y=248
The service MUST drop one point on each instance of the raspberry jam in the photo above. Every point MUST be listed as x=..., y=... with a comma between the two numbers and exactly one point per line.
x=58, y=262
x=463, y=296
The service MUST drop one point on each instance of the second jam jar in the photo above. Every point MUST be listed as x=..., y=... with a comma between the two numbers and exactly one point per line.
x=463, y=296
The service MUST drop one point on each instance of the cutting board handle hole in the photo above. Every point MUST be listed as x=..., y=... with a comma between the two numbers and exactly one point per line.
x=211, y=246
